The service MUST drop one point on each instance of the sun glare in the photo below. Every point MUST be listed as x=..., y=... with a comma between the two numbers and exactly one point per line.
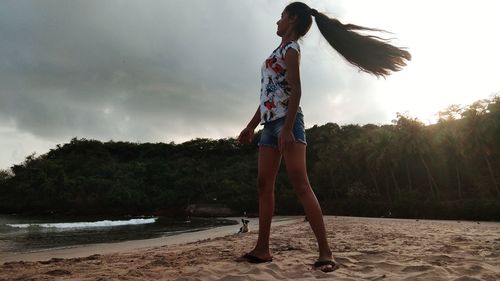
x=454, y=51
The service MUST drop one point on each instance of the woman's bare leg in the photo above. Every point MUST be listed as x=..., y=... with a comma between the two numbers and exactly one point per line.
x=295, y=159
x=269, y=163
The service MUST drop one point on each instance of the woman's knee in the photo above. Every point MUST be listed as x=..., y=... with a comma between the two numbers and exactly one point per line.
x=265, y=184
x=298, y=178
x=302, y=190
x=300, y=184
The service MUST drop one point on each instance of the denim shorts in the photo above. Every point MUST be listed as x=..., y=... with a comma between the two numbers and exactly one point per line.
x=272, y=130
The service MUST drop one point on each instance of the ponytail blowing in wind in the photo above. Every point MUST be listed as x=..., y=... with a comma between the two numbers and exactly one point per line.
x=369, y=53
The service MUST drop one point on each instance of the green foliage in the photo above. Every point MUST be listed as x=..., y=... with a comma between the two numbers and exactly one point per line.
x=406, y=169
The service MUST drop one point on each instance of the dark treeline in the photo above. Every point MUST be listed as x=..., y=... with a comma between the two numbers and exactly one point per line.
x=448, y=170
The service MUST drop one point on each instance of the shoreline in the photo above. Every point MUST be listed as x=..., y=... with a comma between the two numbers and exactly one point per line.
x=365, y=248
x=78, y=251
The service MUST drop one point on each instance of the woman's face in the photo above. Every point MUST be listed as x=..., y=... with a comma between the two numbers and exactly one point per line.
x=284, y=24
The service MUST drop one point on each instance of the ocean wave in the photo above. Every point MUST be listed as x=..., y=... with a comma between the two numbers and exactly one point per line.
x=104, y=223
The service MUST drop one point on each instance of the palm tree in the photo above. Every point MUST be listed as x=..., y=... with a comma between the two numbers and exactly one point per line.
x=367, y=154
x=414, y=143
x=451, y=143
x=451, y=139
x=479, y=135
x=327, y=150
x=383, y=157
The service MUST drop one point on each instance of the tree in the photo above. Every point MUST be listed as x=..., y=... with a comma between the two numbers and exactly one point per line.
x=479, y=140
x=451, y=140
x=416, y=144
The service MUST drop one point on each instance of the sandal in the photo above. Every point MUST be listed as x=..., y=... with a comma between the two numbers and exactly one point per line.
x=326, y=266
x=252, y=259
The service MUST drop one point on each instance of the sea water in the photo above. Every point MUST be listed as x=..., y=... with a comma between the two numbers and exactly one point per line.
x=30, y=234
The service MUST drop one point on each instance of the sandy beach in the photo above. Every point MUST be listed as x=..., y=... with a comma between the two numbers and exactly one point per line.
x=366, y=248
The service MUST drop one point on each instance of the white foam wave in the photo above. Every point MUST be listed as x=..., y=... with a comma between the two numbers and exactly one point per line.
x=104, y=223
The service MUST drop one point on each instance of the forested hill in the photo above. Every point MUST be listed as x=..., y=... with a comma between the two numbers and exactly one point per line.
x=405, y=169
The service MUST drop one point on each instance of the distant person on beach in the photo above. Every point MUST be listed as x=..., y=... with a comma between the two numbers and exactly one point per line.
x=283, y=119
x=244, y=228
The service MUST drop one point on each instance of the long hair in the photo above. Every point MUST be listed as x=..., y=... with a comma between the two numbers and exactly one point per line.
x=371, y=54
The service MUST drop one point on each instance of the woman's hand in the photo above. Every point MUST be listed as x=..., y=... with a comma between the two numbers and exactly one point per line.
x=246, y=136
x=285, y=139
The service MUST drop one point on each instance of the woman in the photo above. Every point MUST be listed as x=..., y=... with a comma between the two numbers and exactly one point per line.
x=281, y=115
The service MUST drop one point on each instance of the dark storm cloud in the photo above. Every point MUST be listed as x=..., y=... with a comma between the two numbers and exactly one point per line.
x=150, y=70
x=81, y=67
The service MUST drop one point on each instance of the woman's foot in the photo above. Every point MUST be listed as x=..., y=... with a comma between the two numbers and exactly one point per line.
x=325, y=256
x=252, y=259
x=255, y=256
x=326, y=265
x=326, y=262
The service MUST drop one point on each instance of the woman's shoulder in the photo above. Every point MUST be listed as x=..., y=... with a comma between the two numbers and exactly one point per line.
x=290, y=44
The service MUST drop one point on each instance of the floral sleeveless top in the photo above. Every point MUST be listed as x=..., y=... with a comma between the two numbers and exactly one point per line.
x=275, y=91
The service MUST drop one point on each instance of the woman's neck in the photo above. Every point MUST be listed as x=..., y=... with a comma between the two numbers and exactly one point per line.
x=288, y=37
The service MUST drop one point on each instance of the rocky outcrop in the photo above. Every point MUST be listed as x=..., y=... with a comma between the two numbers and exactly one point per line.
x=209, y=210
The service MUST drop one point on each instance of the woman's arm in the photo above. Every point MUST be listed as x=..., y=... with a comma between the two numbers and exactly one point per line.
x=255, y=119
x=246, y=135
x=293, y=79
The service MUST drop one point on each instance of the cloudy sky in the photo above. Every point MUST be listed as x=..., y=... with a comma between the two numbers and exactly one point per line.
x=174, y=70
